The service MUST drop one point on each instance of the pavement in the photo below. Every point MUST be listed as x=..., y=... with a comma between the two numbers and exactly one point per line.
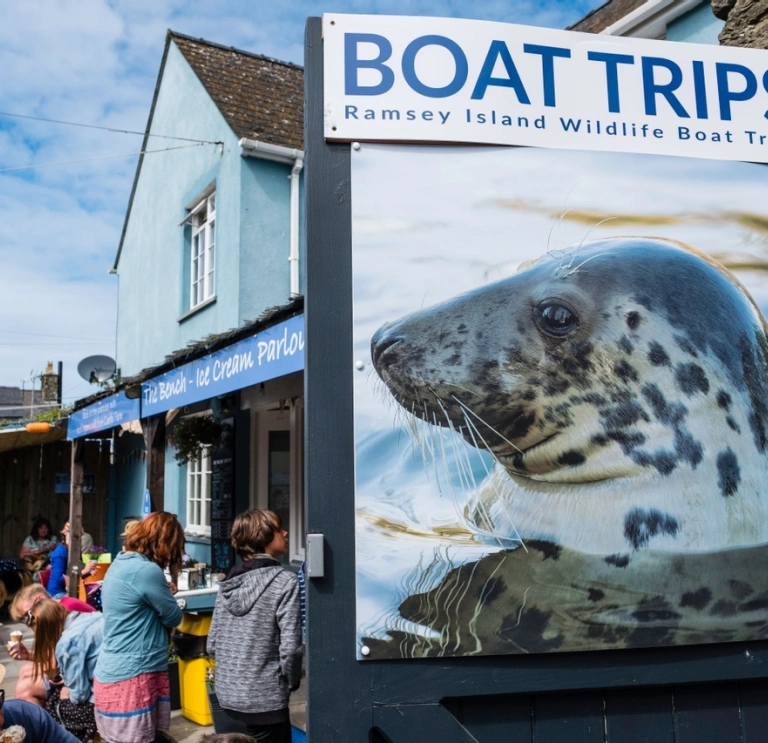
x=182, y=730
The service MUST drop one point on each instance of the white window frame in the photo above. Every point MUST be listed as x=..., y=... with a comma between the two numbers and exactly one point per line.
x=202, y=253
x=199, y=478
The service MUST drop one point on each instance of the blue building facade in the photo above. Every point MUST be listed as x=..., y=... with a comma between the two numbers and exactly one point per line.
x=211, y=259
x=673, y=20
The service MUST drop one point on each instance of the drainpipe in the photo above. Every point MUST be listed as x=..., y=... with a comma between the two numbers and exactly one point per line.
x=294, y=158
x=293, y=258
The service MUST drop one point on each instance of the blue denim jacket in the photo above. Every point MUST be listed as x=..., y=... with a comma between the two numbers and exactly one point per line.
x=77, y=651
x=139, y=609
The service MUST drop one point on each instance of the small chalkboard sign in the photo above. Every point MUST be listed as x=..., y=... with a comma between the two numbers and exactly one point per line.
x=223, y=501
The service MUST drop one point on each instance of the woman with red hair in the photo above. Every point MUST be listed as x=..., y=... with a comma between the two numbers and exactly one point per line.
x=131, y=688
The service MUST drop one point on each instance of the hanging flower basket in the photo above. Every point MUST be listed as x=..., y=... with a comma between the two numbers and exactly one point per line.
x=190, y=436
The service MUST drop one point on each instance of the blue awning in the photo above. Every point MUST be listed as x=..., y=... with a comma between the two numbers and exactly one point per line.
x=272, y=353
x=107, y=413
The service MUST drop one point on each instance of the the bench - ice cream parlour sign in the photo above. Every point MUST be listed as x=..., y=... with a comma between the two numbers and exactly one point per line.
x=272, y=353
x=561, y=408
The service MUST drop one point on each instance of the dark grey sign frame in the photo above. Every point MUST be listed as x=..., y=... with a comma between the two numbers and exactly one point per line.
x=413, y=700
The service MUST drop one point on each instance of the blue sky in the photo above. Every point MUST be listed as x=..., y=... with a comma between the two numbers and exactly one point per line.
x=96, y=62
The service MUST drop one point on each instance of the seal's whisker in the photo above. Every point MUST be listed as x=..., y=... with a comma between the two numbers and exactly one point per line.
x=488, y=425
x=481, y=506
x=584, y=239
x=594, y=227
x=428, y=439
x=495, y=487
x=453, y=384
x=444, y=458
x=436, y=436
x=591, y=258
x=463, y=467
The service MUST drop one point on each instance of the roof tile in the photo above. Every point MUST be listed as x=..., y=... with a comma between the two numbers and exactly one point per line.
x=260, y=98
x=606, y=15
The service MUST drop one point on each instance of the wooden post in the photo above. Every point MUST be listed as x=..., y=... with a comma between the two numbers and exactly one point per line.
x=154, y=439
x=74, y=563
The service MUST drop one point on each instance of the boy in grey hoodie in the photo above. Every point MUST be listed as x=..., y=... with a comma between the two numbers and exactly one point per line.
x=255, y=634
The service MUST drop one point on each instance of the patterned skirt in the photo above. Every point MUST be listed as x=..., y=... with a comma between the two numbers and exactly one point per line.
x=131, y=711
x=78, y=719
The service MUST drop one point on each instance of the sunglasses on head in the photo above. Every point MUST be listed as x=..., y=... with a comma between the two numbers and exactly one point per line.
x=29, y=617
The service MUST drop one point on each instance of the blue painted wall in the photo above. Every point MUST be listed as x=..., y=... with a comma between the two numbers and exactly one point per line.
x=698, y=26
x=253, y=229
x=252, y=249
x=129, y=482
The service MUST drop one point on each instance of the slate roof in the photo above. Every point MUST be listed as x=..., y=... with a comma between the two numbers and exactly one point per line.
x=10, y=396
x=25, y=399
x=606, y=15
x=260, y=97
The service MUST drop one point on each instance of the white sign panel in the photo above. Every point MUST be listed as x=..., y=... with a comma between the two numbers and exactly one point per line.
x=413, y=79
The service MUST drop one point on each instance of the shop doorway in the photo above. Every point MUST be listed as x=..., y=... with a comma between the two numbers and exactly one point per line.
x=279, y=473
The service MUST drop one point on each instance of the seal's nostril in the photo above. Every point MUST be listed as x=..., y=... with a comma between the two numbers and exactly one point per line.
x=379, y=346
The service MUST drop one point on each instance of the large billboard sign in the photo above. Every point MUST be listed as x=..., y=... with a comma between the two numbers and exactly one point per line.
x=448, y=80
x=561, y=426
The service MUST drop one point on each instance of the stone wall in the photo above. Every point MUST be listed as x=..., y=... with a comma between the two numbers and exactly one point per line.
x=746, y=22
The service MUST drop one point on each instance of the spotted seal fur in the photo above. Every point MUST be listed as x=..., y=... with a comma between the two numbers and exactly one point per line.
x=621, y=388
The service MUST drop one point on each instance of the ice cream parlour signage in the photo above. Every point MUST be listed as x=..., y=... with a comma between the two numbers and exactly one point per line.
x=274, y=352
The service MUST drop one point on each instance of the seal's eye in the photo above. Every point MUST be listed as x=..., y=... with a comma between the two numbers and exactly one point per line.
x=556, y=318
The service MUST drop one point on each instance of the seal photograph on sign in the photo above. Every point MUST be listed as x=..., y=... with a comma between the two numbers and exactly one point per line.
x=615, y=391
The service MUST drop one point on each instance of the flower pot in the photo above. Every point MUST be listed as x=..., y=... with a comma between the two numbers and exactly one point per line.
x=222, y=722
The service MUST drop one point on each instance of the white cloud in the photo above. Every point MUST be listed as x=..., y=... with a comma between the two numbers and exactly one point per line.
x=96, y=61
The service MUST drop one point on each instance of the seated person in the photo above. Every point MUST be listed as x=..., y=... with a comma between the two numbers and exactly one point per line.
x=57, y=582
x=37, y=723
x=40, y=542
x=86, y=543
x=28, y=687
x=57, y=585
x=66, y=649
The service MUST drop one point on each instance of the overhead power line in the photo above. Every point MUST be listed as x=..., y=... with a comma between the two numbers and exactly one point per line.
x=46, y=344
x=51, y=335
x=104, y=128
x=105, y=157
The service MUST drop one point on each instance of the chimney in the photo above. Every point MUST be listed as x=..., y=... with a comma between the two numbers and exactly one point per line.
x=49, y=385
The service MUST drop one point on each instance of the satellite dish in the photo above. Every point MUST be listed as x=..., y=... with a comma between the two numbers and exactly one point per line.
x=96, y=369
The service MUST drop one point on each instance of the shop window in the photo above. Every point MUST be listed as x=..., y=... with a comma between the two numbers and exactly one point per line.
x=202, y=270
x=199, y=494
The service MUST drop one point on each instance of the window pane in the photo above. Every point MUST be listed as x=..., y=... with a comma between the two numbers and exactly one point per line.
x=202, y=251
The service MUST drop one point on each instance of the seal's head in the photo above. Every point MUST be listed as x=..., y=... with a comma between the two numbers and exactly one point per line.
x=622, y=358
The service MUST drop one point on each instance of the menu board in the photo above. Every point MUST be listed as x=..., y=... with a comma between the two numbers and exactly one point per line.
x=223, y=501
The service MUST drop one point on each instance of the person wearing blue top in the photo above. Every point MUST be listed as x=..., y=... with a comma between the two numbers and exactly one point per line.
x=37, y=723
x=57, y=585
x=131, y=686
x=73, y=641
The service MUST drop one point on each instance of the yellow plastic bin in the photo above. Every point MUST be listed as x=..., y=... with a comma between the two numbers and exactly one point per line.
x=189, y=642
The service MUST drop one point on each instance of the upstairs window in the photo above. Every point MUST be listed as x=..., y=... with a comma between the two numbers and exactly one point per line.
x=199, y=477
x=202, y=269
